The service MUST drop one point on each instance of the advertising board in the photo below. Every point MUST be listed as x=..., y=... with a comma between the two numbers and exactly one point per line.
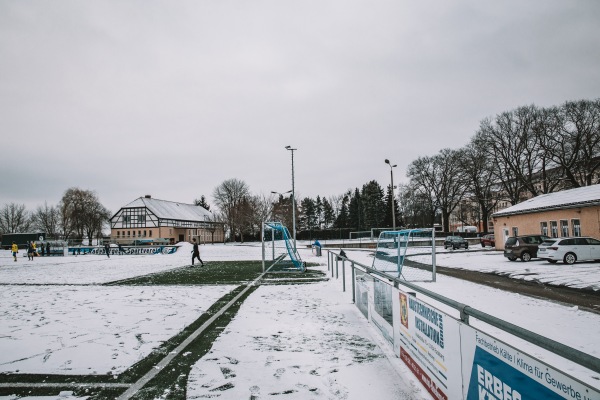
x=427, y=340
x=494, y=370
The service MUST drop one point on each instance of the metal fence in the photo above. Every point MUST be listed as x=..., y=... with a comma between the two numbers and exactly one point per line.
x=337, y=266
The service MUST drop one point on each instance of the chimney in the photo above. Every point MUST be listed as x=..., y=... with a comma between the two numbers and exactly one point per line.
x=148, y=196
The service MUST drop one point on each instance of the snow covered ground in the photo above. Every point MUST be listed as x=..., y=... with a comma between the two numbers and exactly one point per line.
x=301, y=341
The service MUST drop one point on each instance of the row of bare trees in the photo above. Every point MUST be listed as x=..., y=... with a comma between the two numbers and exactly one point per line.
x=519, y=154
x=78, y=215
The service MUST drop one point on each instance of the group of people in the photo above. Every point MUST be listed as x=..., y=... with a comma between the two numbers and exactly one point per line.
x=32, y=250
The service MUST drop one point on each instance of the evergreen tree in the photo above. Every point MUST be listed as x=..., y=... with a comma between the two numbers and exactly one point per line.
x=387, y=221
x=373, y=205
x=355, y=218
x=202, y=203
x=308, y=216
x=328, y=214
x=342, y=219
x=318, y=213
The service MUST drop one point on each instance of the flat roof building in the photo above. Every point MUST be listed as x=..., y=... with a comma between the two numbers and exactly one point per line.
x=573, y=212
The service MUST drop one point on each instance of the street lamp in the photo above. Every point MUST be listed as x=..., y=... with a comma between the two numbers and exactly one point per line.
x=392, y=178
x=281, y=194
x=293, y=195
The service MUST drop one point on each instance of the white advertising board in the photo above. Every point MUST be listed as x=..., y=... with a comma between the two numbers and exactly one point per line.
x=428, y=342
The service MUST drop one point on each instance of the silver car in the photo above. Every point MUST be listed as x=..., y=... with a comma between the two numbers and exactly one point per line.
x=570, y=250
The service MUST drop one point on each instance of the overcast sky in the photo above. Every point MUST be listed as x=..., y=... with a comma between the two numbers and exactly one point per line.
x=171, y=98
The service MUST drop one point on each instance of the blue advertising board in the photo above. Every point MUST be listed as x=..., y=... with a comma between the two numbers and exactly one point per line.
x=494, y=370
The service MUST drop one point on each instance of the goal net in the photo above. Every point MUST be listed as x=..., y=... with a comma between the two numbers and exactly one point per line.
x=278, y=250
x=408, y=254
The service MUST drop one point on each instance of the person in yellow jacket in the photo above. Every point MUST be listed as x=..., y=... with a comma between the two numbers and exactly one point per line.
x=15, y=250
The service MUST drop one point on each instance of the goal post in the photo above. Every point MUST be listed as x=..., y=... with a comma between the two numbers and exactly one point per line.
x=408, y=254
x=278, y=249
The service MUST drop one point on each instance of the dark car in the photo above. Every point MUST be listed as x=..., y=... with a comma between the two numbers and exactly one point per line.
x=524, y=247
x=487, y=240
x=455, y=242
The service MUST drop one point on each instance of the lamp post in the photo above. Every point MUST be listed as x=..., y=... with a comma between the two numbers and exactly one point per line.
x=393, y=195
x=293, y=196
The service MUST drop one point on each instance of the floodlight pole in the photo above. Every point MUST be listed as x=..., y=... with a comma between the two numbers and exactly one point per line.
x=393, y=195
x=293, y=196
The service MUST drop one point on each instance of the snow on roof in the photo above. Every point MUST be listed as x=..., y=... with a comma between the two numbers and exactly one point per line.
x=172, y=210
x=583, y=196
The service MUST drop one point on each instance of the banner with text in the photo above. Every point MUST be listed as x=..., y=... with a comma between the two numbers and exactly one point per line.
x=428, y=341
x=494, y=370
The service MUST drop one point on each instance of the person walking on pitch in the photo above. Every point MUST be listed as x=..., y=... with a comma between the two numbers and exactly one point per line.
x=196, y=253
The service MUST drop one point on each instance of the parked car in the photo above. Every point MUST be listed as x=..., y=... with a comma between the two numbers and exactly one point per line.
x=570, y=250
x=487, y=240
x=456, y=242
x=524, y=247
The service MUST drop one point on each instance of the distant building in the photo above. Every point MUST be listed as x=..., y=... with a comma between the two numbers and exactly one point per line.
x=573, y=212
x=151, y=221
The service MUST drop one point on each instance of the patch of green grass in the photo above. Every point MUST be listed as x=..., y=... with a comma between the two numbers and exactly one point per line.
x=220, y=273
x=213, y=273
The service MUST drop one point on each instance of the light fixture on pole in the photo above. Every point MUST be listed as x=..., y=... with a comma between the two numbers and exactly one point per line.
x=281, y=194
x=293, y=196
x=393, y=195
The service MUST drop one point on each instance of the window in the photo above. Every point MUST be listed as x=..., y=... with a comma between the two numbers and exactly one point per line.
x=576, y=227
x=544, y=228
x=564, y=228
x=515, y=231
x=142, y=219
x=144, y=233
x=150, y=233
x=128, y=233
x=553, y=229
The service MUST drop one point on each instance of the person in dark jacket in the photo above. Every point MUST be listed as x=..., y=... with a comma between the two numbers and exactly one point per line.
x=47, y=248
x=196, y=253
x=107, y=249
x=30, y=251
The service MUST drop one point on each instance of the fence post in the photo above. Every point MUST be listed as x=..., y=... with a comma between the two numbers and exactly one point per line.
x=337, y=268
x=343, y=275
x=332, y=258
x=353, y=283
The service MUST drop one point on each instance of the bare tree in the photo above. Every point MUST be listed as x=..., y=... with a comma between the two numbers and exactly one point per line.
x=480, y=172
x=572, y=140
x=442, y=179
x=47, y=219
x=254, y=210
x=282, y=210
x=82, y=214
x=14, y=218
x=228, y=196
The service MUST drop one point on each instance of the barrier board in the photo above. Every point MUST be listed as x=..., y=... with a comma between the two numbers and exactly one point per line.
x=428, y=342
x=494, y=370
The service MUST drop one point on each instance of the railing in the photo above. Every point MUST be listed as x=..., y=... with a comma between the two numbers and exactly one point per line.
x=465, y=311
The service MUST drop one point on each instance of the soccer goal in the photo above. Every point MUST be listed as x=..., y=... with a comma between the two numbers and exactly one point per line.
x=408, y=254
x=278, y=249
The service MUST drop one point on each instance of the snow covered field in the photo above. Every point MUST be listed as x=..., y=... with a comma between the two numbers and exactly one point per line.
x=300, y=341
